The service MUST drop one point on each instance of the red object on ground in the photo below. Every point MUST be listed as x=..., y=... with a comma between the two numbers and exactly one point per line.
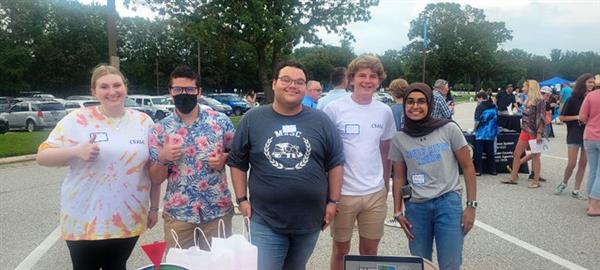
x=155, y=252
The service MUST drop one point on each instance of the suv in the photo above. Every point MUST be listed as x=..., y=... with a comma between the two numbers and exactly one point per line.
x=159, y=104
x=215, y=105
x=32, y=115
x=238, y=105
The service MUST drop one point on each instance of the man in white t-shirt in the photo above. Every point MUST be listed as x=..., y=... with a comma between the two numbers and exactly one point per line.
x=366, y=127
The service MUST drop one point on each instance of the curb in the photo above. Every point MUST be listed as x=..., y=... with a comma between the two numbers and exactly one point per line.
x=16, y=159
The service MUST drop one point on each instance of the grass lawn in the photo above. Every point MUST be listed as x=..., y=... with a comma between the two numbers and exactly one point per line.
x=21, y=143
x=25, y=143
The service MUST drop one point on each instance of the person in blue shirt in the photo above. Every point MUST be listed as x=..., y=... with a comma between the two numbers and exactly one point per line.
x=340, y=83
x=486, y=130
x=397, y=87
x=313, y=93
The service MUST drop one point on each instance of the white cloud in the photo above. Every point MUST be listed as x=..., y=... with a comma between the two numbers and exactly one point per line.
x=537, y=26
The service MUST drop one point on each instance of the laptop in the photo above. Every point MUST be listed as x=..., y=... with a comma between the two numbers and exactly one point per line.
x=363, y=262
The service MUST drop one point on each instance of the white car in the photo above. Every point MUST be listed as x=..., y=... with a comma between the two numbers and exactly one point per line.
x=71, y=105
x=159, y=103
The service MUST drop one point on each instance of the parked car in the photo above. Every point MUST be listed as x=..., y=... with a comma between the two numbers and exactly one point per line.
x=4, y=104
x=159, y=104
x=215, y=105
x=79, y=97
x=3, y=125
x=33, y=115
x=384, y=97
x=44, y=96
x=238, y=105
x=71, y=105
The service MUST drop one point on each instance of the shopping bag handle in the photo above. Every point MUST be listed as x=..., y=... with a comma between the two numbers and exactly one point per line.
x=176, y=238
x=221, y=225
x=203, y=235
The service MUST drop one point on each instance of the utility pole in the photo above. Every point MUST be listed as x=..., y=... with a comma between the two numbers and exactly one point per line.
x=112, y=34
x=424, y=60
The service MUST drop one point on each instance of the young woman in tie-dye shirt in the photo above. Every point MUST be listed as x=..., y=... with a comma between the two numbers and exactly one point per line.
x=106, y=195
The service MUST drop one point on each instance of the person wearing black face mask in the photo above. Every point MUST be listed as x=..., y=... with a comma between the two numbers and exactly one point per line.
x=190, y=148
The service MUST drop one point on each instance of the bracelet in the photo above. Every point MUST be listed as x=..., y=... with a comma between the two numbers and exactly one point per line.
x=161, y=163
x=153, y=209
x=332, y=201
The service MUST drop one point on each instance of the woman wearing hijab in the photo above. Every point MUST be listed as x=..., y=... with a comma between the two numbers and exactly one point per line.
x=426, y=155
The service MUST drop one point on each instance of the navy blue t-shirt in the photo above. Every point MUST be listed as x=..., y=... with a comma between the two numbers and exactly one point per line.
x=288, y=158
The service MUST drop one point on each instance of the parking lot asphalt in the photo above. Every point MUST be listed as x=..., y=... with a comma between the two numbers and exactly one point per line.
x=517, y=227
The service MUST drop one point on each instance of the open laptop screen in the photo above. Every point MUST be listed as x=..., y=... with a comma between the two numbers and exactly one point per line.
x=356, y=262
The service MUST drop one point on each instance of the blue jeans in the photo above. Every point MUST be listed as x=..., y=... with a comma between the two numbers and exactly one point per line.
x=438, y=219
x=592, y=149
x=281, y=251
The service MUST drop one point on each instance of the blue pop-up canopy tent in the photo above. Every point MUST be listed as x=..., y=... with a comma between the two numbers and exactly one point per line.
x=554, y=81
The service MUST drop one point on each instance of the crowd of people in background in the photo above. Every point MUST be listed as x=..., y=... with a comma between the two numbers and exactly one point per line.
x=302, y=164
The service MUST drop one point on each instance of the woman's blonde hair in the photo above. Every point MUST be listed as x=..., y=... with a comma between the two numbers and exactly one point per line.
x=533, y=94
x=102, y=70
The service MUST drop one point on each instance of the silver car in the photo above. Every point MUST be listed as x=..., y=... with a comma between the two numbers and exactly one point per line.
x=33, y=115
x=71, y=105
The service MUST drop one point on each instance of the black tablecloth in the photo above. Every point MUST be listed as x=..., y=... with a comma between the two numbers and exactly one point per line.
x=510, y=122
x=505, y=146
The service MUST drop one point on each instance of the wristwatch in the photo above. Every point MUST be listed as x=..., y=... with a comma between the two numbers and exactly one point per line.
x=241, y=199
x=472, y=204
x=332, y=201
x=397, y=215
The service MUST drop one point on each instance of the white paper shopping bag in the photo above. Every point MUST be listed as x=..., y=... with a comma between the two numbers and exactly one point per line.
x=244, y=254
x=538, y=147
x=194, y=258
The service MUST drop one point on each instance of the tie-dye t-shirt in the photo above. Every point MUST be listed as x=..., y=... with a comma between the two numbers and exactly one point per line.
x=108, y=197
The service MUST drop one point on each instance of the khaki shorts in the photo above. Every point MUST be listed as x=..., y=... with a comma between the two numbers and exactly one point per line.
x=185, y=231
x=369, y=210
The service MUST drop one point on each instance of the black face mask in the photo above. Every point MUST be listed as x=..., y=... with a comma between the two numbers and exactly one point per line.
x=185, y=103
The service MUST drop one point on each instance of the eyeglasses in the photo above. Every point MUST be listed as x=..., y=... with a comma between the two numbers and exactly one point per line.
x=287, y=81
x=419, y=102
x=176, y=90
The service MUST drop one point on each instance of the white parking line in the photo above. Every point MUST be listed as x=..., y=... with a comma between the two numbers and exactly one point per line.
x=39, y=251
x=531, y=248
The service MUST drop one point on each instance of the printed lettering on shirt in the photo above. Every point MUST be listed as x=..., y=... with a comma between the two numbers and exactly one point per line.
x=428, y=154
x=287, y=149
x=375, y=125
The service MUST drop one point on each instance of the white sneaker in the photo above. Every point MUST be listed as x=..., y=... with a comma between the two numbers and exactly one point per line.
x=392, y=222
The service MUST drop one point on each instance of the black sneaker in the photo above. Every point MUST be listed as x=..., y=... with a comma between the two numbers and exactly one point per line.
x=531, y=176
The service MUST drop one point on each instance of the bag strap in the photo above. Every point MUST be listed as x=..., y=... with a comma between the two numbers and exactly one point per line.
x=203, y=235
x=175, y=238
x=221, y=225
x=246, y=229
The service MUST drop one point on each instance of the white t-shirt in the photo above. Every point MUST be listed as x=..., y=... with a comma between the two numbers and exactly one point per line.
x=362, y=128
x=109, y=197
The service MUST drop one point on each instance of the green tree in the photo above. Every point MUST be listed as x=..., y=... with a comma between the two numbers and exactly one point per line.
x=392, y=64
x=321, y=60
x=462, y=42
x=271, y=27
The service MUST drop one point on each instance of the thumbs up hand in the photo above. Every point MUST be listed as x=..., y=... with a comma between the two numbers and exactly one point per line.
x=217, y=158
x=172, y=149
x=89, y=150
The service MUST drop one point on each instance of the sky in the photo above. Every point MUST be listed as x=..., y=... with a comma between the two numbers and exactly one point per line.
x=537, y=26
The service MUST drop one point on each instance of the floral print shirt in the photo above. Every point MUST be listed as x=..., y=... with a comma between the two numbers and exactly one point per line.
x=195, y=193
